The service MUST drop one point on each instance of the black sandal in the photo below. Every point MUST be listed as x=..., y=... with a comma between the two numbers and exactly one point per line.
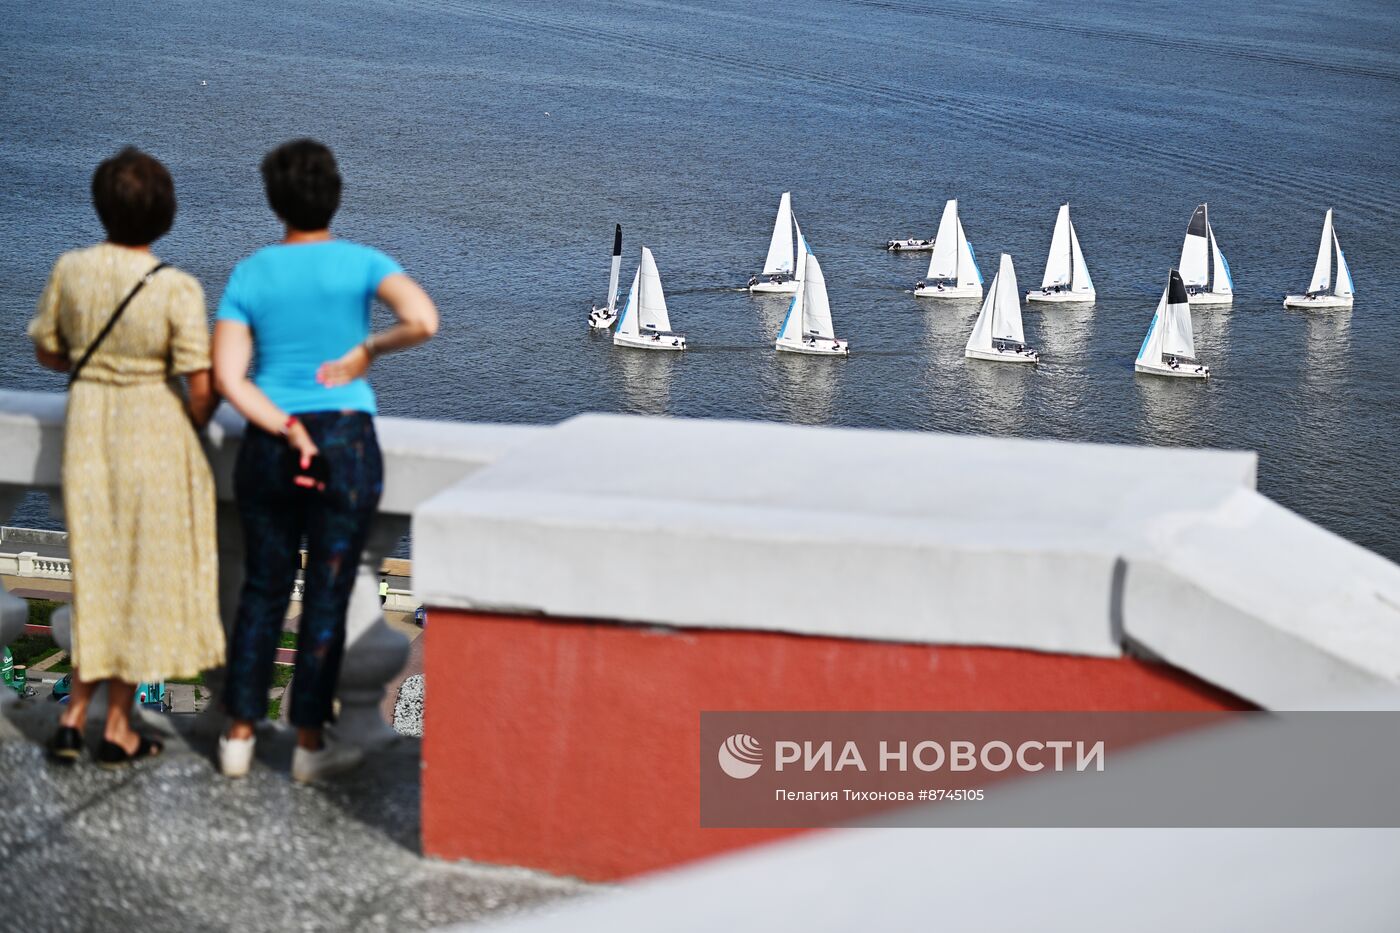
x=65, y=746
x=112, y=755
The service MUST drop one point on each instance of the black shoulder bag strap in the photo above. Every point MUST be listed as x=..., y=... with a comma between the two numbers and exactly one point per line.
x=111, y=322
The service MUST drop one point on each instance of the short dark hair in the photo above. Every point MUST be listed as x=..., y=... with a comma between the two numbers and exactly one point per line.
x=303, y=183
x=134, y=196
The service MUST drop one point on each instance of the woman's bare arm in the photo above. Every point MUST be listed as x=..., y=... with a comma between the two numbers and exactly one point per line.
x=233, y=354
x=418, y=322
x=201, y=399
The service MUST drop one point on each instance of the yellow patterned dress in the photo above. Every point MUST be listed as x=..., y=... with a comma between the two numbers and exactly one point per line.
x=138, y=495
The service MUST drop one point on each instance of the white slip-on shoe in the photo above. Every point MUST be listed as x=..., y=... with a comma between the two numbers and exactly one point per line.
x=330, y=759
x=235, y=756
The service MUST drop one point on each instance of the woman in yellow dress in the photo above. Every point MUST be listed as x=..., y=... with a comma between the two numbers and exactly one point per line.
x=138, y=495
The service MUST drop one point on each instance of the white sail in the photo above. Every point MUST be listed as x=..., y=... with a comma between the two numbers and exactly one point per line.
x=1000, y=317
x=1221, y=282
x=1059, y=265
x=1170, y=330
x=616, y=268
x=943, y=262
x=1151, y=349
x=1177, y=337
x=981, y=336
x=1195, y=251
x=780, y=246
x=627, y=323
x=1080, y=280
x=1006, y=310
x=816, y=310
x=968, y=273
x=651, y=300
x=1344, y=286
x=1322, y=271
x=792, y=324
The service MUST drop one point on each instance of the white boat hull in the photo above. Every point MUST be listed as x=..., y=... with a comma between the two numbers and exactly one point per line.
x=1181, y=371
x=1210, y=298
x=1061, y=297
x=1321, y=301
x=649, y=341
x=1025, y=355
x=602, y=318
x=774, y=288
x=909, y=246
x=817, y=346
x=949, y=291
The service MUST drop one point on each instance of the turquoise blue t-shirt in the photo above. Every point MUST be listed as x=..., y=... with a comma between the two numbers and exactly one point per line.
x=306, y=304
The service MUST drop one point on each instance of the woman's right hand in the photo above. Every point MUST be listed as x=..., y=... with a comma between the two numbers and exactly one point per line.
x=300, y=440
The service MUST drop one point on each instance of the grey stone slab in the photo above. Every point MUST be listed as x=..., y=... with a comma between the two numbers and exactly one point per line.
x=171, y=844
x=440, y=894
x=408, y=708
x=38, y=798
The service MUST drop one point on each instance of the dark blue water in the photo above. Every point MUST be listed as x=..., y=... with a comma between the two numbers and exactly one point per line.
x=490, y=147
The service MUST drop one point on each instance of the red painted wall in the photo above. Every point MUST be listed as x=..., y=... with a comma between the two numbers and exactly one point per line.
x=571, y=746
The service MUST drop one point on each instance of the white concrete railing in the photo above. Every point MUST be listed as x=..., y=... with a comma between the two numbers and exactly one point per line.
x=31, y=564
x=34, y=565
x=420, y=459
x=1043, y=545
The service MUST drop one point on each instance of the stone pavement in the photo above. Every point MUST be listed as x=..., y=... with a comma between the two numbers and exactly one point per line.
x=172, y=845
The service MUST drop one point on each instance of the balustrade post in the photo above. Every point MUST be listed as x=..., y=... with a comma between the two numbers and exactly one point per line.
x=374, y=653
x=14, y=612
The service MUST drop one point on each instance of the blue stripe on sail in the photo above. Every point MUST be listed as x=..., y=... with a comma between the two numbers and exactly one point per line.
x=793, y=303
x=1344, y=270
x=787, y=317
x=973, y=253
x=1229, y=279
x=623, y=316
x=1145, y=340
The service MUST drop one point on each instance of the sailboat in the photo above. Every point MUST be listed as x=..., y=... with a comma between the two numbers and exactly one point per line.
x=1169, y=349
x=807, y=327
x=952, y=269
x=1325, y=291
x=1204, y=270
x=604, y=317
x=1066, y=276
x=777, y=275
x=644, y=322
x=997, y=335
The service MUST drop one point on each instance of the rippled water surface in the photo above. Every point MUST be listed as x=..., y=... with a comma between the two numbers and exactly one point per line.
x=490, y=147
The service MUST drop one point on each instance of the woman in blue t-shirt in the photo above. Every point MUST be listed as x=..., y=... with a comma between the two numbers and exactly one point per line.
x=309, y=463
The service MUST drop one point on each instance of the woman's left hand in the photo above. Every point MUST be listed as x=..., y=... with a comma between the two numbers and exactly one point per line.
x=347, y=369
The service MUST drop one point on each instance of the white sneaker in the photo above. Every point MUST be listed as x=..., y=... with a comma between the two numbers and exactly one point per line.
x=330, y=759
x=235, y=756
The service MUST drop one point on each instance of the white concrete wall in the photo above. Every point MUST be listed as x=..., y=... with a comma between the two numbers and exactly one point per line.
x=1258, y=599
x=865, y=534
x=1012, y=881
x=420, y=457
x=918, y=537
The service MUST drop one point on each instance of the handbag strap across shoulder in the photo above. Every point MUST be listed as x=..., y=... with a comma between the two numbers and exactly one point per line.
x=112, y=321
